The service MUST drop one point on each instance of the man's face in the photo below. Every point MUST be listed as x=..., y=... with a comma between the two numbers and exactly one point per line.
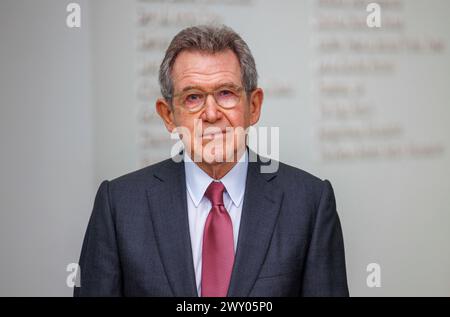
x=213, y=133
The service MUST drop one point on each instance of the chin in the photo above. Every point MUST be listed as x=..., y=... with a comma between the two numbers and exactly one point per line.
x=212, y=154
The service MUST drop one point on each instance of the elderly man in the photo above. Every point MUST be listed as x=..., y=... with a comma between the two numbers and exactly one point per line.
x=213, y=223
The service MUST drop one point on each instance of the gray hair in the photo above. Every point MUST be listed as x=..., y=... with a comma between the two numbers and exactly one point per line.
x=209, y=39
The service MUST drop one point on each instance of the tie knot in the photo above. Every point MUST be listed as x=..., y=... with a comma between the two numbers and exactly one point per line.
x=214, y=193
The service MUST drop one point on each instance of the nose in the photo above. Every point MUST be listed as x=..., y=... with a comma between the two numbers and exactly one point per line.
x=212, y=111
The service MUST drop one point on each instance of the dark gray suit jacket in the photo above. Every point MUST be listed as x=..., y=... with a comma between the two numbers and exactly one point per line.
x=137, y=242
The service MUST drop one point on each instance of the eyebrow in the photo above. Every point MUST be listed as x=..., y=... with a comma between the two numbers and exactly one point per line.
x=226, y=84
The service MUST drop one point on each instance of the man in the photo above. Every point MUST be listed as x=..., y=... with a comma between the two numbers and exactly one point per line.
x=213, y=223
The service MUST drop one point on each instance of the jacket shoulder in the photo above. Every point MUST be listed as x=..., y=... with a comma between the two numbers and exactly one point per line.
x=141, y=178
x=300, y=183
x=293, y=173
x=287, y=173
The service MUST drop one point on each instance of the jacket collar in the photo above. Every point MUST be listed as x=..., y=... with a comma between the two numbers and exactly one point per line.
x=168, y=207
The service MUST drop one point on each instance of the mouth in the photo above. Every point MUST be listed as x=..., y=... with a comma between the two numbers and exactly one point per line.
x=214, y=134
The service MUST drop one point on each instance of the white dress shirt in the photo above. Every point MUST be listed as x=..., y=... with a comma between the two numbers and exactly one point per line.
x=197, y=181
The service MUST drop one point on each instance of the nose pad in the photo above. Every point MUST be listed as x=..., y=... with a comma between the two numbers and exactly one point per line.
x=210, y=100
x=212, y=112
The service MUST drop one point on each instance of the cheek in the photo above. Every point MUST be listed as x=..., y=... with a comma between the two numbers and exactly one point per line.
x=191, y=128
x=183, y=121
x=238, y=117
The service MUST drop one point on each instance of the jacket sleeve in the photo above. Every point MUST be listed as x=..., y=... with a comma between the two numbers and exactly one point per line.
x=324, y=271
x=100, y=271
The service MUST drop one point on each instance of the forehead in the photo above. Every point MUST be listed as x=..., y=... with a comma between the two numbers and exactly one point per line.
x=205, y=70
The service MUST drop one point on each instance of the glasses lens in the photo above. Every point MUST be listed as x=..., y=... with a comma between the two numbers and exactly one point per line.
x=192, y=100
x=227, y=97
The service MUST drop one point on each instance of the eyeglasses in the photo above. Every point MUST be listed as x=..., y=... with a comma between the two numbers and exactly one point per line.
x=194, y=100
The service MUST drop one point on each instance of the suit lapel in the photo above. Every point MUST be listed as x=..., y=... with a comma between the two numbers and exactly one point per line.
x=168, y=206
x=262, y=203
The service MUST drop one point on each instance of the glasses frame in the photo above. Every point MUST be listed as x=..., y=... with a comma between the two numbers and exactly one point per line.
x=205, y=94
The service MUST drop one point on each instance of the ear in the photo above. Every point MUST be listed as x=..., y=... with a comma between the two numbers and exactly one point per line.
x=256, y=100
x=166, y=113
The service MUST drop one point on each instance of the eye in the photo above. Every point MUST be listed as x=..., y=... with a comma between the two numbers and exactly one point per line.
x=226, y=93
x=193, y=98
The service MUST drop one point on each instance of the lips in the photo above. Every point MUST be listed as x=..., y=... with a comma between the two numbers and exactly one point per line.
x=213, y=134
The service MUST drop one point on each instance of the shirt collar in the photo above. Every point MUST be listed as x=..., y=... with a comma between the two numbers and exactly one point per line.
x=197, y=181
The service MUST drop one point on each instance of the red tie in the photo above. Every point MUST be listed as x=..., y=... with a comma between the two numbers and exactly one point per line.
x=218, y=246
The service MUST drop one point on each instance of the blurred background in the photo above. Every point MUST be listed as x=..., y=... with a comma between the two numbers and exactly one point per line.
x=365, y=107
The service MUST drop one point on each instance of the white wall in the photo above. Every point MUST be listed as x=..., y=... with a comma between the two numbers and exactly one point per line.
x=71, y=117
x=46, y=132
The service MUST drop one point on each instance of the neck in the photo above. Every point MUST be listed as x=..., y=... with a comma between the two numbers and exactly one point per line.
x=217, y=170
